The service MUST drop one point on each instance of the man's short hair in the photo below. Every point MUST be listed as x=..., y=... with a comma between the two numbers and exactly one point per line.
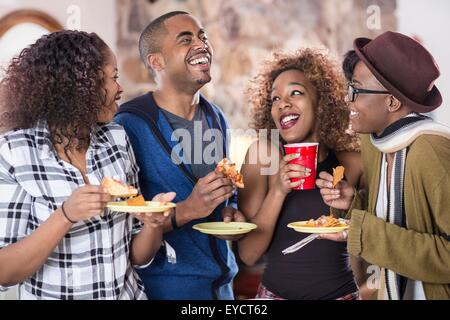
x=349, y=64
x=150, y=40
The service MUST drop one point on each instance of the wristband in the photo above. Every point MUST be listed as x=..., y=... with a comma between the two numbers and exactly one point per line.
x=65, y=214
x=173, y=220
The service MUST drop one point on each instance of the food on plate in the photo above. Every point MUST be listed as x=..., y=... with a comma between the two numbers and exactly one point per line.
x=325, y=221
x=338, y=175
x=136, y=201
x=118, y=189
x=229, y=170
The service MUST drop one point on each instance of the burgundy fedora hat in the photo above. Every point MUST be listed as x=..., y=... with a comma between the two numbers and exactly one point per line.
x=404, y=67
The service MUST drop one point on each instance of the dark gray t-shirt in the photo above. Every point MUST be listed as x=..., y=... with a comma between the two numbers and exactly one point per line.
x=202, y=154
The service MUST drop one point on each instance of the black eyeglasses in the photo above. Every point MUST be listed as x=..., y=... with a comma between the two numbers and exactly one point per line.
x=353, y=92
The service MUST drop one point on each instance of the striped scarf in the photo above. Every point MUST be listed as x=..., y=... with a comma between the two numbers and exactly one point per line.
x=396, y=139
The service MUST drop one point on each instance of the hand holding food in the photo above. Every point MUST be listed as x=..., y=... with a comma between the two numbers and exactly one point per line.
x=152, y=219
x=208, y=193
x=324, y=227
x=228, y=168
x=340, y=196
x=338, y=175
x=332, y=222
x=118, y=189
x=323, y=224
x=85, y=202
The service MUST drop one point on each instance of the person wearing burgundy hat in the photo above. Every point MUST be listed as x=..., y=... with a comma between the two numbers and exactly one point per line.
x=401, y=222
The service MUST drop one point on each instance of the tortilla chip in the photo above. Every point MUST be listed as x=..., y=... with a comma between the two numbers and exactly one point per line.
x=338, y=175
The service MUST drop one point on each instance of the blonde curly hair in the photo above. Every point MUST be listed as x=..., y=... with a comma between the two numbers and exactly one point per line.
x=322, y=72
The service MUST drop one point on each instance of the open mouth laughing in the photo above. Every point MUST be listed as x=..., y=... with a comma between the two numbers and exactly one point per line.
x=200, y=60
x=288, y=120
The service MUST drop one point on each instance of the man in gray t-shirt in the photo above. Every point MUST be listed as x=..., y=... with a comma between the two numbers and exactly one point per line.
x=194, y=145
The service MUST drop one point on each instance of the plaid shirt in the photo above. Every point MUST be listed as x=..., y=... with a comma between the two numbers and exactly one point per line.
x=92, y=260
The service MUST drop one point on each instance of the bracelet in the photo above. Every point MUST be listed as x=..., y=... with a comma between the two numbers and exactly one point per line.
x=173, y=220
x=65, y=214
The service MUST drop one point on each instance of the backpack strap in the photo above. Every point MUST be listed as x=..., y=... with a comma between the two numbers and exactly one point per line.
x=133, y=109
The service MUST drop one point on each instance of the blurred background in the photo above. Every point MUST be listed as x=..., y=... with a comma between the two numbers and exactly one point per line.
x=243, y=33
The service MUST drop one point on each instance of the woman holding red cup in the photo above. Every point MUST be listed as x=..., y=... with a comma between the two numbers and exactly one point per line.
x=306, y=157
x=301, y=95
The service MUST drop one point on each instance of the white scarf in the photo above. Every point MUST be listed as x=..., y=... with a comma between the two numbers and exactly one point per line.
x=403, y=137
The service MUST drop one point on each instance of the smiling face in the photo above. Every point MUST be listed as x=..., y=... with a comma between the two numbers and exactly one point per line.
x=186, y=53
x=369, y=112
x=294, y=103
x=112, y=88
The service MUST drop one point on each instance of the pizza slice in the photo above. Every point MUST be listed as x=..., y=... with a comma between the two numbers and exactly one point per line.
x=229, y=170
x=338, y=175
x=118, y=189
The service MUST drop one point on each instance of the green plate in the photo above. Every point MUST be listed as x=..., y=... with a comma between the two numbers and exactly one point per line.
x=225, y=228
x=300, y=226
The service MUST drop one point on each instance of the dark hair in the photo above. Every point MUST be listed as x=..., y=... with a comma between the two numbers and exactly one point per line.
x=58, y=80
x=322, y=72
x=150, y=39
x=349, y=64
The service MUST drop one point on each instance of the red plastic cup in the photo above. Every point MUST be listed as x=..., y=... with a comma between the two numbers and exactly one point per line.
x=308, y=159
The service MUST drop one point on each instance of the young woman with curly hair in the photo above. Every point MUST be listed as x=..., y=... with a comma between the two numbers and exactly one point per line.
x=56, y=237
x=302, y=95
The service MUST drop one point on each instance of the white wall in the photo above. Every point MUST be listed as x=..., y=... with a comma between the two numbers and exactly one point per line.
x=96, y=15
x=429, y=20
